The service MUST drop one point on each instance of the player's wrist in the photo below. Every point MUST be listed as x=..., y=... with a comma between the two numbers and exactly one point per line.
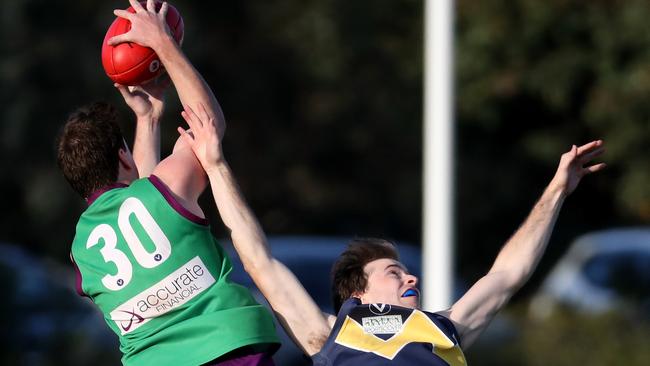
x=557, y=190
x=216, y=166
x=146, y=119
x=155, y=116
x=162, y=42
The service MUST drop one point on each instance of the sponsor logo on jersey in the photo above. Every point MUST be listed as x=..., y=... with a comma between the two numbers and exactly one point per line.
x=387, y=324
x=134, y=320
x=176, y=289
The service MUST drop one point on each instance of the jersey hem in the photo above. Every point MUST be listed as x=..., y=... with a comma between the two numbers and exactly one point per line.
x=208, y=358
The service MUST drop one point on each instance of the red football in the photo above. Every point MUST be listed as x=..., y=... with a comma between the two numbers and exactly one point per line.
x=129, y=63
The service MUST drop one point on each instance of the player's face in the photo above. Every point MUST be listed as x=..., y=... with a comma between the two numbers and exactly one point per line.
x=389, y=282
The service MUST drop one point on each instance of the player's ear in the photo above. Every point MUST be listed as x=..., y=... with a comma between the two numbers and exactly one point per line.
x=359, y=295
x=126, y=159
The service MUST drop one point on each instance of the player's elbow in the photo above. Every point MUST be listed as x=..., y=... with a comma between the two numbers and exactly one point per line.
x=512, y=275
x=259, y=266
x=516, y=280
x=510, y=280
x=256, y=266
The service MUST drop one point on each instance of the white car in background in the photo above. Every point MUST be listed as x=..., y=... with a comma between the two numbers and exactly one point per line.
x=601, y=271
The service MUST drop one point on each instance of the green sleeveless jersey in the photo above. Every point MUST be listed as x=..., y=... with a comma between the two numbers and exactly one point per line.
x=161, y=280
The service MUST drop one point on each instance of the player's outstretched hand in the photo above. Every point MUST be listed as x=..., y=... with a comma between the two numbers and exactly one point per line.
x=203, y=137
x=575, y=164
x=147, y=100
x=148, y=27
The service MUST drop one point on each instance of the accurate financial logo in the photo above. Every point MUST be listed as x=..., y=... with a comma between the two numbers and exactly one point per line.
x=134, y=317
x=176, y=289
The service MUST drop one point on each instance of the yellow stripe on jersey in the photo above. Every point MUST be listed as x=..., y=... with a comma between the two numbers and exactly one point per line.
x=417, y=328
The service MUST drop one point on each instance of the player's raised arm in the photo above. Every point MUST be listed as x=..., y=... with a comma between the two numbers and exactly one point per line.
x=180, y=171
x=147, y=103
x=520, y=255
x=296, y=310
x=149, y=28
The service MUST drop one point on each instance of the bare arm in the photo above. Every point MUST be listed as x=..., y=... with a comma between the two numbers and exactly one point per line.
x=308, y=327
x=149, y=28
x=522, y=252
x=147, y=103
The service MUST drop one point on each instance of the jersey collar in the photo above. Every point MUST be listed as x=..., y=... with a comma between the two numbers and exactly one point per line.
x=93, y=196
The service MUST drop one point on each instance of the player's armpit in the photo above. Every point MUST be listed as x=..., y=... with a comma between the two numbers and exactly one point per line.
x=472, y=313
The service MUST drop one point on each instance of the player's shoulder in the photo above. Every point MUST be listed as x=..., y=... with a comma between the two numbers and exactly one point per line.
x=182, y=174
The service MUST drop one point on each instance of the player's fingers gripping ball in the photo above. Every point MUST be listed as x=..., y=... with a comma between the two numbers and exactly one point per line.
x=130, y=63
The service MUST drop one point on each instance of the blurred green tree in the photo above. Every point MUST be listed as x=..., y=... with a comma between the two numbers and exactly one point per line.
x=533, y=78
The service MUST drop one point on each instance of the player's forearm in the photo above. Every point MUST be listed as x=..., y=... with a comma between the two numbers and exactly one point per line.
x=277, y=283
x=190, y=85
x=146, y=145
x=523, y=251
x=246, y=233
x=309, y=327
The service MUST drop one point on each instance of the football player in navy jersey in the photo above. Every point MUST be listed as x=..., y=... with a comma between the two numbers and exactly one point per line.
x=379, y=321
x=369, y=272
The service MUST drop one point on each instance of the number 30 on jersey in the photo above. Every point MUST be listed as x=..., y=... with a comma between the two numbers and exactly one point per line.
x=162, y=247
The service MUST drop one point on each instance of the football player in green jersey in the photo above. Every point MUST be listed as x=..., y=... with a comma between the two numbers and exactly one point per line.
x=143, y=249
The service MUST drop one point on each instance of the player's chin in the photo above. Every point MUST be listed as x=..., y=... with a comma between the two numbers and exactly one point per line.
x=410, y=302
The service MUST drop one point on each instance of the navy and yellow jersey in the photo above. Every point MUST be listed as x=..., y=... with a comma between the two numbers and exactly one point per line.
x=383, y=334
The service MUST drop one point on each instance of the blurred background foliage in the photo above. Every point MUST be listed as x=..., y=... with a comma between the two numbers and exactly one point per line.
x=324, y=106
x=568, y=338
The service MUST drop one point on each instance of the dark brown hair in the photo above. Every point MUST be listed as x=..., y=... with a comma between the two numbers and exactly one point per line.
x=88, y=148
x=348, y=276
